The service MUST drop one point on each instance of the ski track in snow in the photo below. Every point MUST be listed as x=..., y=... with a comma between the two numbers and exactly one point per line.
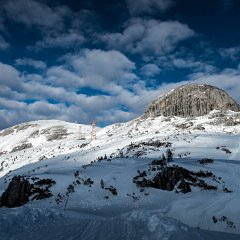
x=147, y=225
x=236, y=152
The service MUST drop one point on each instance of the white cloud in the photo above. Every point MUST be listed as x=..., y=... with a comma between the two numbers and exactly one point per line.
x=59, y=83
x=10, y=77
x=58, y=76
x=30, y=62
x=8, y=93
x=35, y=13
x=59, y=25
x=190, y=63
x=149, y=36
x=116, y=115
x=7, y=103
x=148, y=6
x=15, y=112
x=231, y=53
x=59, y=40
x=99, y=68
x=150, y=70
x=227, y=80
x=70, y=106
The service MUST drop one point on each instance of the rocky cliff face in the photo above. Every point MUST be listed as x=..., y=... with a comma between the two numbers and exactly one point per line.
x=190, y=101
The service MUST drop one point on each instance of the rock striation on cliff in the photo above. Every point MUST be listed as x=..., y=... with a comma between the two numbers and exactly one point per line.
x=191, y=100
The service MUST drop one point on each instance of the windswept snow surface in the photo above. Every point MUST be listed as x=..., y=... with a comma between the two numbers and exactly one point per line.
x=29, y=223
x=64, y=152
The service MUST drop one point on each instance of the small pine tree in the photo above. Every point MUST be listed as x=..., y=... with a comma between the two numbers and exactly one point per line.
x=102, y=184
x=163, y=157
x=105, y=157
x=169, y=155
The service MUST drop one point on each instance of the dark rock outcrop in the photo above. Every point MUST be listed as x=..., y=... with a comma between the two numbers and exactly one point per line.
x=41, y=189
x=20, y=191
x=190, y=101
x=168, y=178
x=184, y=186
x=17, y=193
x=174, y=177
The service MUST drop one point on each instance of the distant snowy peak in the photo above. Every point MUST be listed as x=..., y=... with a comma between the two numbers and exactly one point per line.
x=42, y=132
x=191, y=100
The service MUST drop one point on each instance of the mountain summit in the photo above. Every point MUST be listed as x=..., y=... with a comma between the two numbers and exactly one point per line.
x=191, y=100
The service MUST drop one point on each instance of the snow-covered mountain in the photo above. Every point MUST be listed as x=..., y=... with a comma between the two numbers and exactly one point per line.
x=117, y=186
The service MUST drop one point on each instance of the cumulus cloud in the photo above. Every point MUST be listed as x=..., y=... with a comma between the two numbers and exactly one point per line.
x=59, y=40
x=228, y=80
x=35, y=13
x=60, y=26
x=99, y=68
x=56, y=24
x=148, y=6
x=29, y=96
x=30, y=62
x=149, y=36
x=232, y=52
x=116, y=115
x=17, y=105
x=10, y=77
x=59, y=84
x=150, y=70
x=192, y=64
x=58, y=76
x=15, y=112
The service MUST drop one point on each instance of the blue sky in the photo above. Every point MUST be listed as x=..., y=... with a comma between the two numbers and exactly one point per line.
x=106, y=60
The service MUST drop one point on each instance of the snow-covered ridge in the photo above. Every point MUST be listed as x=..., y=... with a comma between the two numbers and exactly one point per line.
x=40, y=133
x=33, y=141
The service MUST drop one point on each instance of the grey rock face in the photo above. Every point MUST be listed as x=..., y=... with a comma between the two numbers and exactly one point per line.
x=191, y=101
x=22, y=147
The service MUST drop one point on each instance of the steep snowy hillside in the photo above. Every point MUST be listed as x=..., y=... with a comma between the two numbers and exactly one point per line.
x=34, y=141
x=218, y=133
x=116, y=179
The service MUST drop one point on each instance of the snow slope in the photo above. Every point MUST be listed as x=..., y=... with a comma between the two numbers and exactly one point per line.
x=57, y=150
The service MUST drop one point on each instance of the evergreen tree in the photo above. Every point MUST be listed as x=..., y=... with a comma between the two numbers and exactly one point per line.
x=169, y=155
x=102, y=184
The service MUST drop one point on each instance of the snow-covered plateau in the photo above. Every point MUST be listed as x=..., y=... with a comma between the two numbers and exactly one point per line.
x=112, y=188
